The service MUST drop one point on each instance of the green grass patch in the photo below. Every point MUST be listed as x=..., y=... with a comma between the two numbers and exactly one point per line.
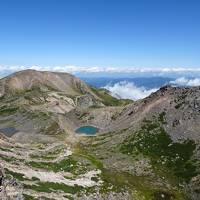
x=177, y=106
x=5, y=110
x=85, y=154
x=108, y=100
x=50, y=155
x=39, y=115
x=10, y=159
x=163, y=195
x=49, y=187
x=118, y=181
x=68, y=164
x=15, y=175
x=52, y=129
x=140, y=187
x=152, y=141
x=43, y=157
x=28, y=197
x=162, y=117
x=5, y=149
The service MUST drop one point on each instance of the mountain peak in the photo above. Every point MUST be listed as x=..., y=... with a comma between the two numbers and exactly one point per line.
x=28, y=79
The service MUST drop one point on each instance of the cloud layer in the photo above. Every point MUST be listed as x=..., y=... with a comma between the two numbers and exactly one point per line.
x=127, y=90
x=79, y=69
x=186, y=82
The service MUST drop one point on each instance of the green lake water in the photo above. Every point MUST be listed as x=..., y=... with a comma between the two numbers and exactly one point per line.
x=88, y=130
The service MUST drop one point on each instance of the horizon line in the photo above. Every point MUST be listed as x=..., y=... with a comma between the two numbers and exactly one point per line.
x=96, y=69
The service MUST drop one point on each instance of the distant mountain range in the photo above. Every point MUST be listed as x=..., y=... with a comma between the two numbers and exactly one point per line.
x=147, y=82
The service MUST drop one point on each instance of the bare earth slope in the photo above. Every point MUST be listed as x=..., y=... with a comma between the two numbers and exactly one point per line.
x=180, y=106
x=28, y=79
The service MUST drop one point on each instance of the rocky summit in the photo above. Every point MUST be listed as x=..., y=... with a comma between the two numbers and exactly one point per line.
x=144, y=150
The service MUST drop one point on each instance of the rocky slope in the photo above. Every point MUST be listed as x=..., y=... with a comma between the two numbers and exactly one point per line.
x=145, y=150
x=179, y=106
x=156, y=141
x=37, y=102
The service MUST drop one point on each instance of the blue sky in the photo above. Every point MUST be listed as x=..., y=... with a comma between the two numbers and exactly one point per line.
x=108, y=33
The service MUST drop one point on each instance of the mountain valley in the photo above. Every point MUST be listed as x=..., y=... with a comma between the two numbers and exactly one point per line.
x=144, y=150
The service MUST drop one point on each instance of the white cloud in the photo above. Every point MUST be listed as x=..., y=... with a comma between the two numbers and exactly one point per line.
x=186, y=82
x=127, y=90
x=96, y=69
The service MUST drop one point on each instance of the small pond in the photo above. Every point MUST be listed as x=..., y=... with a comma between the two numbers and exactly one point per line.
x=9, y=131
x=88, y=130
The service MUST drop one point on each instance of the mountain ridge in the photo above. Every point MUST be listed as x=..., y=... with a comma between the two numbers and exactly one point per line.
x=28, y=79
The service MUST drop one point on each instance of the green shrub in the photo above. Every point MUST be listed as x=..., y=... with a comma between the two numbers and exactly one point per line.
x=153, y=141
